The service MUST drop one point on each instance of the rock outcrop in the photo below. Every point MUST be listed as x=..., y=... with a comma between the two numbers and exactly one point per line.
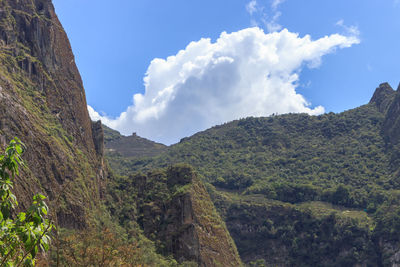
x=383, y=97
x=42, y=101
x=177, y=213
x=392, y=122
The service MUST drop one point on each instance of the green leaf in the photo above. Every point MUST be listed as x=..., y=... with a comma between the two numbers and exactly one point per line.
x=22, y=216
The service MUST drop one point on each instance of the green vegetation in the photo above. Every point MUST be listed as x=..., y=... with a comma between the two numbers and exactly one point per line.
x=36, y=105
x=173, y=209
x=333, y=175
x=306, y=234
x=293, y=190
x=336, y=158
x=105, y=243
x=319, y=151
x=22, y=235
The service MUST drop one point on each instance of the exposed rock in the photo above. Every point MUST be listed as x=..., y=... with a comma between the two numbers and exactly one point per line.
x=391, y=251
x=383, y=97
x=178, y=214
x=98, y=138
x=42, y=101
x=392, y=121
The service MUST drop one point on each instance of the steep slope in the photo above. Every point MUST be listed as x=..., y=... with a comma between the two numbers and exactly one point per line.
x=174, y=209
x=43, y=103
x=307, y=234
x=391, y=130
x=322, y=184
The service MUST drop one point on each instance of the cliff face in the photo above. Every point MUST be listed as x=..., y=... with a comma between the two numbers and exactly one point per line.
x=174, y=209
x=383, y=97
x=388, y=102
x=392, y=122
x=42, y=101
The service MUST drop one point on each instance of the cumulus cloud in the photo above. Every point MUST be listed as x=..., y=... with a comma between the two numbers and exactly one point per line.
x=241, y=74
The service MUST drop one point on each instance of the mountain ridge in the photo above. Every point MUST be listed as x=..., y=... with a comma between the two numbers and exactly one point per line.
x=259, y=171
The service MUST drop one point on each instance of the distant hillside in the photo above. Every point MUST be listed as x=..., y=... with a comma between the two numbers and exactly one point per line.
x=130, y=146
x=332, y=172
x=323, y=151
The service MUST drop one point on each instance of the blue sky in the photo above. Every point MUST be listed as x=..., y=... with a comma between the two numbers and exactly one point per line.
x=115, y=42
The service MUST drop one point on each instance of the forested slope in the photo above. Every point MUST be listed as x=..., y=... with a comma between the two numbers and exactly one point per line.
x=338, y=170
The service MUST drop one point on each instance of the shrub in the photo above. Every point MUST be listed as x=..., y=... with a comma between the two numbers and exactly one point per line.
x=24, y=234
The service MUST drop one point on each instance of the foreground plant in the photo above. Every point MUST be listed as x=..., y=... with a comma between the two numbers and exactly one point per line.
x=22, y=235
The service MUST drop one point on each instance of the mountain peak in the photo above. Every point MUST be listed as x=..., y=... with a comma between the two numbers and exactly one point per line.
x=383, y=97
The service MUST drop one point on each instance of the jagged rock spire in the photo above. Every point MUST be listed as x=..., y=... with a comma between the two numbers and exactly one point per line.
x=383, y=97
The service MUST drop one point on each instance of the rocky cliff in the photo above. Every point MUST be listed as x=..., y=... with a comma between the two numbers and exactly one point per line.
x=42, y=101
x=174, y=210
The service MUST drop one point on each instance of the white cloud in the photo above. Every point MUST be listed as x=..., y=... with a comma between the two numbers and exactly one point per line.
x=351, y=30
x=275, y=4
x=244, y=73
x=272, y=24
x=265, y=16
x=251, y=7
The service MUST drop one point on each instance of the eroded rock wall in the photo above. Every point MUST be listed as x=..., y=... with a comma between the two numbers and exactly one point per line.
x=42, y=101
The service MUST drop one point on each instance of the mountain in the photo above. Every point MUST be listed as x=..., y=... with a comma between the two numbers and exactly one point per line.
x=43, y=103
x=300, y=190
x=288, y=190
x=130, y=146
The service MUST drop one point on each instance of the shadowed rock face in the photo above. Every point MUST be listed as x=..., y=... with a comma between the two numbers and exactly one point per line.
x=392, y=122
x=383, y=97
x=176, y=211
x=35, y=30
x=388, y=102
x=42, y=101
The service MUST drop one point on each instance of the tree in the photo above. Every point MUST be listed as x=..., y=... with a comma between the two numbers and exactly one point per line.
x=22, y=235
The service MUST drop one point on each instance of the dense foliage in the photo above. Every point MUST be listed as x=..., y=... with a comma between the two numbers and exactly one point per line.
x=173, y=209
x=105, y=243
x=306, y=234
x=339, y=158
x=126, y=197
x=309, y=162
x=22, y=235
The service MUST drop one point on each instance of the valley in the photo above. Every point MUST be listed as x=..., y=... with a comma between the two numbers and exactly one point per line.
x=283, y=190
